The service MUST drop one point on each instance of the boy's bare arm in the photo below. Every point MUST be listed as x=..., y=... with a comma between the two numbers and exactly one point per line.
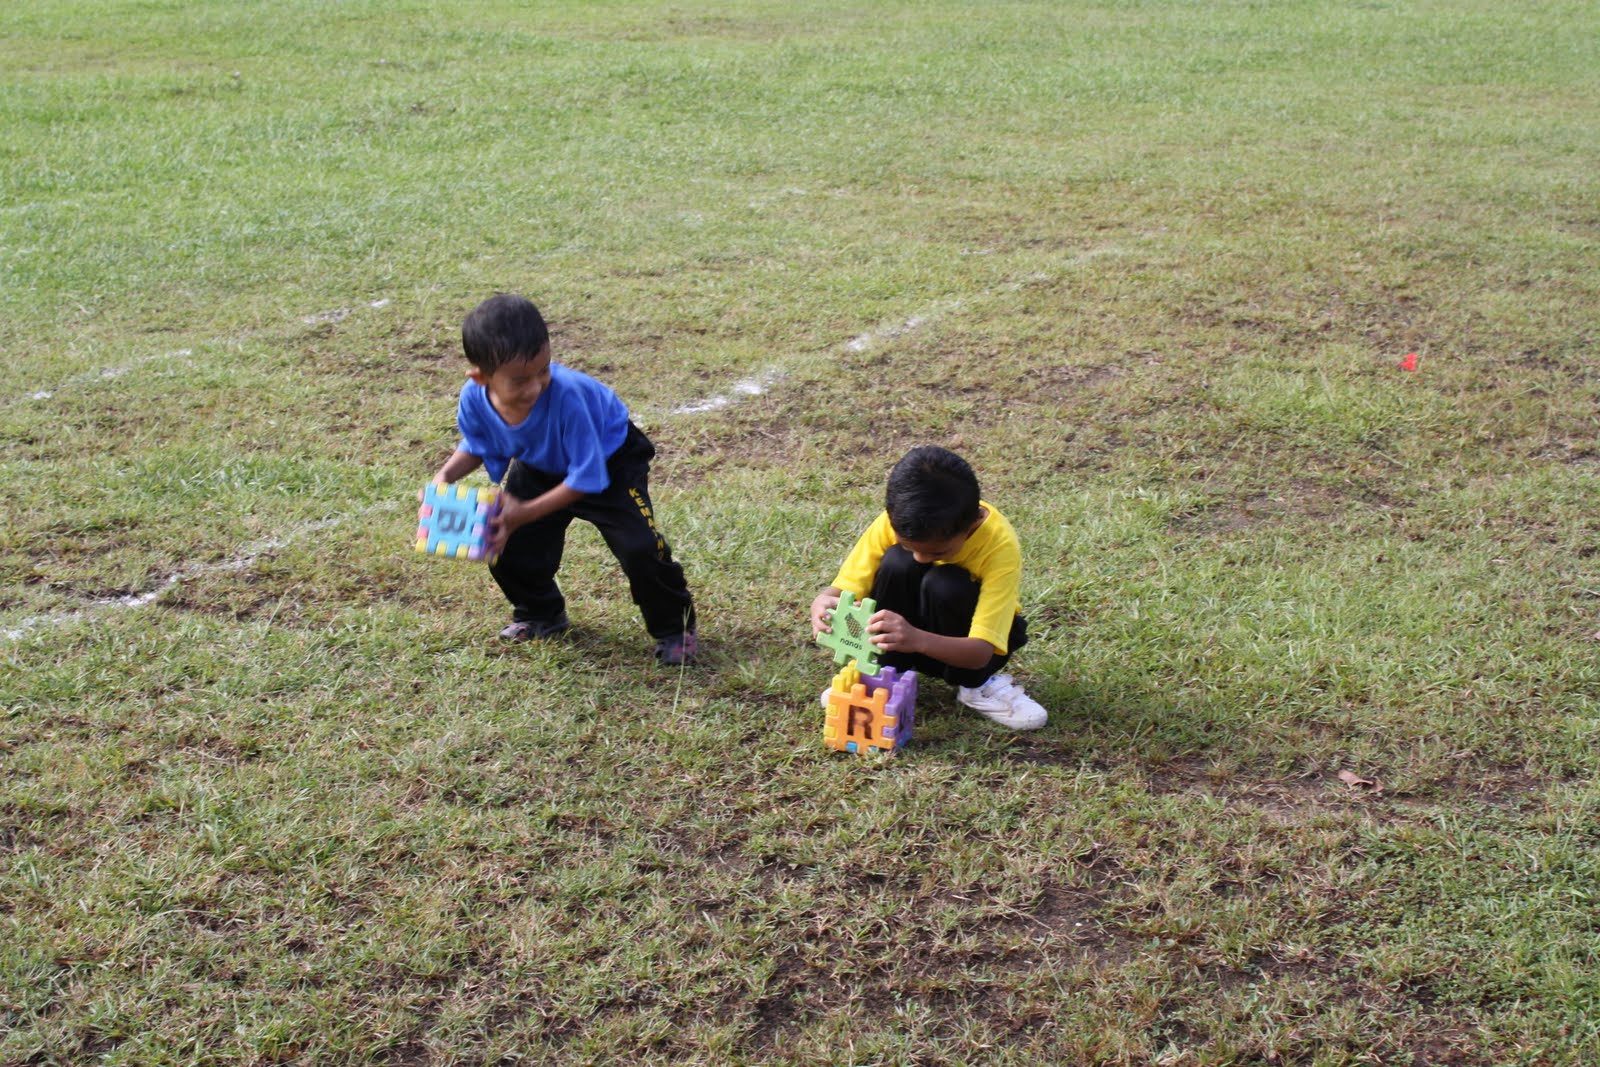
x=891, y=632
x=458, y=466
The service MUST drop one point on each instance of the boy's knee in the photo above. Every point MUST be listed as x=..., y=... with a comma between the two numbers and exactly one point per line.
x=640, y=554
x=949, y=599
x=898, y=564
x=949, y=584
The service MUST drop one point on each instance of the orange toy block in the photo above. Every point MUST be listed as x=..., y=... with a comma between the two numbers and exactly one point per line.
x=859, y=721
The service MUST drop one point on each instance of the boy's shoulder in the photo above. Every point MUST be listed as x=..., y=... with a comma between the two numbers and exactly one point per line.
x=562, y=370
x=575, y=380
x=585, y=401
x=988, y=505
x=474, y=396
x=999, y=527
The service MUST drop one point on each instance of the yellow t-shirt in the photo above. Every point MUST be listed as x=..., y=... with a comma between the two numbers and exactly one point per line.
x=992, y=555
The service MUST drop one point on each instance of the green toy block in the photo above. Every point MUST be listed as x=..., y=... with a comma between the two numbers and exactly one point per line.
x=848, y=633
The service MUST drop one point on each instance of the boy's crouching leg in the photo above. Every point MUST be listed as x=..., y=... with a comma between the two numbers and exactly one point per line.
x=526, y=574
x=995, y=695
x=655, y=580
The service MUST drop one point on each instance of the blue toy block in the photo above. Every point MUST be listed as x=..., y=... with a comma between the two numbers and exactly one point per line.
x=847, y=636
x=453, y=521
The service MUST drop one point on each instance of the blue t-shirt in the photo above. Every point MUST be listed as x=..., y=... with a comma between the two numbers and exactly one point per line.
x=574, y=426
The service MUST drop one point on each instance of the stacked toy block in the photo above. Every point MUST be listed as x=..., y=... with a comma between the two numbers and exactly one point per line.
x=848, y=636
x=453, y=521
x=870, y=713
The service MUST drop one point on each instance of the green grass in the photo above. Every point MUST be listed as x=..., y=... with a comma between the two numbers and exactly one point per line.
x=271, y=793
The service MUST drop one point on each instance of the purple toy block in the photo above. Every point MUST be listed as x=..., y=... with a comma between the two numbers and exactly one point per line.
x=901, y=707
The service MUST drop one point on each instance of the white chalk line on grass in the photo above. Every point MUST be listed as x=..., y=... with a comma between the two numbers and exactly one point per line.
x=106, y=374
x=150, y=596
x=238, y=563
x=766, y=379
x=862, y=342
x=338, y=314
x=754, y=385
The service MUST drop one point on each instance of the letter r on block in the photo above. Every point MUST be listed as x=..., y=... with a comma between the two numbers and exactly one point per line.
x=859, y=716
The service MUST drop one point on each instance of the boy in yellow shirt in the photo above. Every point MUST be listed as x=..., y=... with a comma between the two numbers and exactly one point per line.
x=945, y=568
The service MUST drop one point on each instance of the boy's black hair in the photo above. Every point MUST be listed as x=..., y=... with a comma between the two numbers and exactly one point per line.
x=503, y=329
x=932, y=495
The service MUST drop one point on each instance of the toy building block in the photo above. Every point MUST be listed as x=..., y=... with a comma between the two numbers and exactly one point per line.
x=848, y=636
x=869, y=713
x=900, y=710
x=453, y=521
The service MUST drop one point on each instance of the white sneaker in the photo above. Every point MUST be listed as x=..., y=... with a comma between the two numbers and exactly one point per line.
x=1002, y=701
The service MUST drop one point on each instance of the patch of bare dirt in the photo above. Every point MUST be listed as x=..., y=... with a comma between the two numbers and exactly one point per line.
x=1296, y=798
x=1299, y=501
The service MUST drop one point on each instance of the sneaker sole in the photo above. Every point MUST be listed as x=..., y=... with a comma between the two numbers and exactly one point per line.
x=1012, y=725
x=534, y=634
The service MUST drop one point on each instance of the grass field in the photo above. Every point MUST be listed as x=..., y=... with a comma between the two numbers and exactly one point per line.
x=270, y=791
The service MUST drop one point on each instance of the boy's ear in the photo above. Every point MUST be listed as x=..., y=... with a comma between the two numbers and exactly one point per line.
x=478, y=376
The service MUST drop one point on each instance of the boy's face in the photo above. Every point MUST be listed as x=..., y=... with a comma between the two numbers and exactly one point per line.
x=935, y=549
x=516, y=386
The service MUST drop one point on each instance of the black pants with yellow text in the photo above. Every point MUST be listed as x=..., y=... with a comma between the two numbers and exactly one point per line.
x=526, y=570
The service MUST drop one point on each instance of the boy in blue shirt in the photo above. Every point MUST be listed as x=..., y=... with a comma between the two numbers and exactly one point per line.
x=945, y=568
x=567, y=449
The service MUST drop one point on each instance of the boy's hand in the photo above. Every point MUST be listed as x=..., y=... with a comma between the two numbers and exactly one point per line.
x=890, y=632
x=820, y=607
x=505, y=523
